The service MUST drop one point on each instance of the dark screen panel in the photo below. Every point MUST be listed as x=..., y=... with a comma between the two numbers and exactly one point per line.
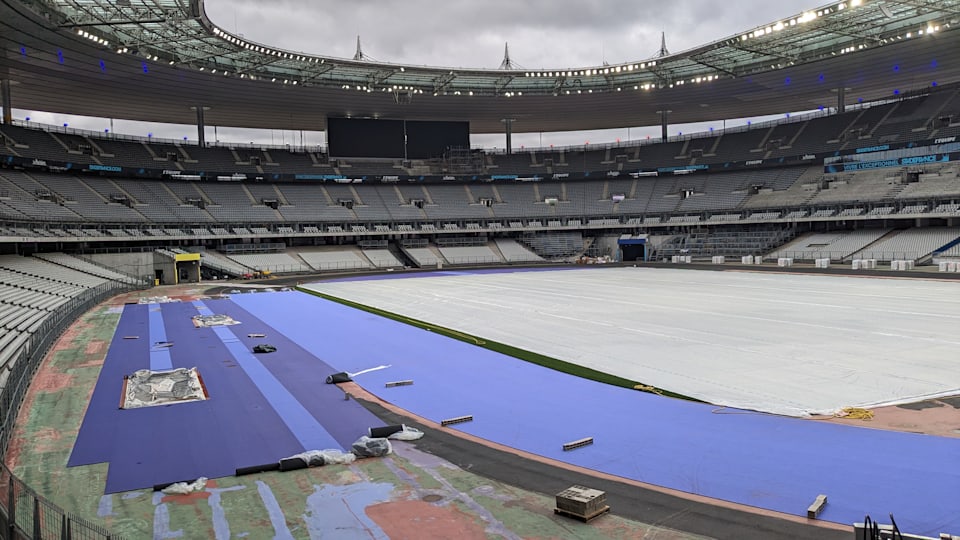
x=427, y=140
x=365, y=137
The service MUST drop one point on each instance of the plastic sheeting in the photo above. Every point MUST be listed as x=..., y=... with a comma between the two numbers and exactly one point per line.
x=207, y=321
x=184, y=488
x=786, y=344
x=365, y=447
x=147, y=388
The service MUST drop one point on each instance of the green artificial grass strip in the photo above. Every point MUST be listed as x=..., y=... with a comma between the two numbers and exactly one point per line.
x=503, y=348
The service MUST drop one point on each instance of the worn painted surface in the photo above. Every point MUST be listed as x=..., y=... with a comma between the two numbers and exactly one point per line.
x=407, y=495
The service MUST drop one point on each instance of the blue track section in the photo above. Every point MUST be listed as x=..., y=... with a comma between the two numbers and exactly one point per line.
x=294, y=415
x=237, y=427
x=101, y=424
x=765, y=461
x=159, y=354
x=303, y=374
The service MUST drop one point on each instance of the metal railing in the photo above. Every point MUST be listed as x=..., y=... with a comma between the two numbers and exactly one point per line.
x=24, y=513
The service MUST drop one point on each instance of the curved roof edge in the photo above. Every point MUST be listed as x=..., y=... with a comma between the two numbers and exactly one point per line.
x=159, y=60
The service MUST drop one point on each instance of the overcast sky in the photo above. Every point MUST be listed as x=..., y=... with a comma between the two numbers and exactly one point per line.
x=471, y=33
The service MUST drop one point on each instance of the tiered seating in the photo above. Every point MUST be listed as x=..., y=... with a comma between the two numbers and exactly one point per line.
x=39, y=144
x=950, y=208
x=944, y=184
x=218, y=262
x=555, y=244
x=81, y=265
x=29, y=199
x=32, y=293
x=513, y=252
x=271, y=262
x=859, y=131
x=128, y=154
x=293, y=162
x=911, y=244
x=734, y=243
x=737, y=146
x=451, y=202
x=334, y=259
x=520, y=200
x=382, y=258
x=469, y=255
x=912, y=118
x=862, y=186
x=816, y=135
x=215, y=159
x=157, y=203
x=424, y=257
x=232, y=204
x=836, y=245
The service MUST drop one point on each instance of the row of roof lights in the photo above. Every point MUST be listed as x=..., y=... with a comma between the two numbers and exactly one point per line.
x=802, y=19
x=266, y=50
x=591, y=72
x=124, y=50
x=393, y=88
x=83, y=33
x=930, y=29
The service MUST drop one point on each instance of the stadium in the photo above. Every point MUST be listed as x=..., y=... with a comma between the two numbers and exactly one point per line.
x=745, y=332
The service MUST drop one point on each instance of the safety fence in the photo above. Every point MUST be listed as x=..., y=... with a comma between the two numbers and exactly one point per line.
x=24, y=513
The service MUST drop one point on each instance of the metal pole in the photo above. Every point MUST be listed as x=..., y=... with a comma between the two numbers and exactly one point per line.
x=6, y=102
x=11, y=503
x=37, y=530
x=201, y=136
x=663, y=124
x=841, y=100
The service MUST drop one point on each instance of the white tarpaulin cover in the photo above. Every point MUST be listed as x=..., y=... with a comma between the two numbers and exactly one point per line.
x=782, y=343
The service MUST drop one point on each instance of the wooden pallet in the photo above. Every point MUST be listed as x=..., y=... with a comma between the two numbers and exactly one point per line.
x=585, y=519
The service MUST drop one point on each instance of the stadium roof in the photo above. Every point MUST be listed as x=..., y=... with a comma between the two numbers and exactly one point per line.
x=153, y=60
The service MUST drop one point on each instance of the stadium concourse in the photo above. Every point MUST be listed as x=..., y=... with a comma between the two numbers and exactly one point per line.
x=544, y=317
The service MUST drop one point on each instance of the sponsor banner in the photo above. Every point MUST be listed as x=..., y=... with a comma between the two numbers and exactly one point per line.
x=104, y=168
x=866, y=164
x=317, y=177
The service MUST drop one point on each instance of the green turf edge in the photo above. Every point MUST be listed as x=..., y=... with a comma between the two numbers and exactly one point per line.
x=527, y=356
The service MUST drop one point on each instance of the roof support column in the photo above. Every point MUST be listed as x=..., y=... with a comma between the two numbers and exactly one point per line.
x=6, y=102
x=841, y=100
x=508, y=126
x=201, y=125
x=663, y=123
